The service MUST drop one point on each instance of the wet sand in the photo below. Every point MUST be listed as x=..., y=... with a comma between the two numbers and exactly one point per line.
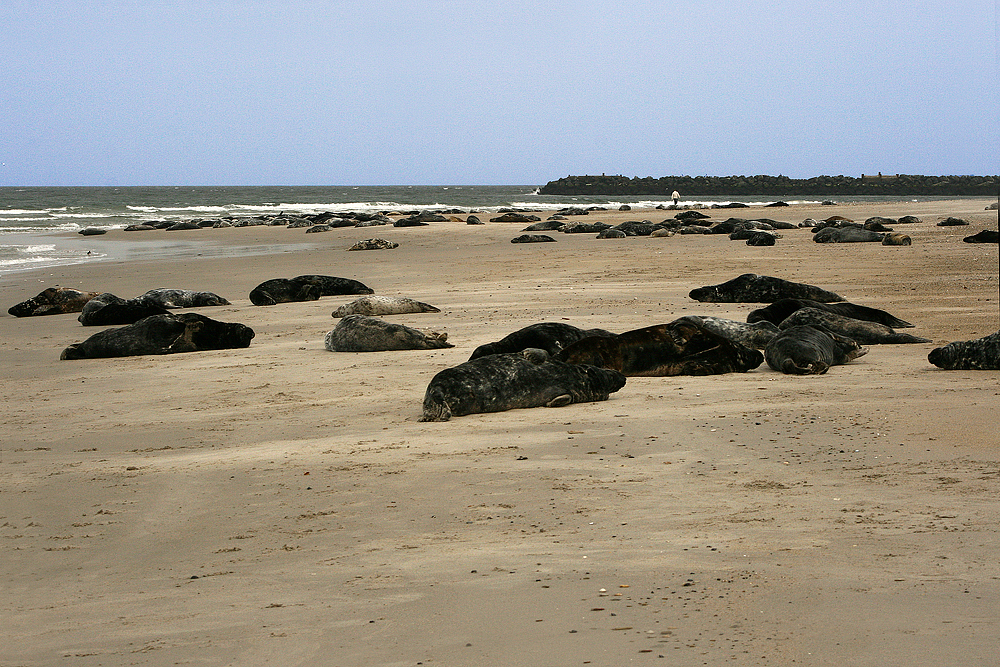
x=282, y=505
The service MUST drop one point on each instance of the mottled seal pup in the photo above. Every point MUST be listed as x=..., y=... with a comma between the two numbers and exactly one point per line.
x=981, y=354
x=782, y=308
x=53, y=301
x=806, y=350
x=361, y=333
x=865, y=333
x=372, y=304
x=304, y=288
x=549, y=336
x=106, y=309
x=752, y=288
x=508, y=381
x=162, y=334
x=682, y=347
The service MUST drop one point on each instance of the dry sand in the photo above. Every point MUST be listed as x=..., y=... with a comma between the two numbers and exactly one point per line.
x=282, y=505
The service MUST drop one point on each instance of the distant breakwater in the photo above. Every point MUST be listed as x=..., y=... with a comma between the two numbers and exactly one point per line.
x=693, y=186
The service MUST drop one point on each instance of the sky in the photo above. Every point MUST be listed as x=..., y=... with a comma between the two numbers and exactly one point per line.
x=436, y=92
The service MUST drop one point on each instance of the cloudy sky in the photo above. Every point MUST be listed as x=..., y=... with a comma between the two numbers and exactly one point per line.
x=364, y=92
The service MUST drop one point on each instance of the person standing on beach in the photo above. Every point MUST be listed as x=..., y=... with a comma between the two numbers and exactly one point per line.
x=676, y=196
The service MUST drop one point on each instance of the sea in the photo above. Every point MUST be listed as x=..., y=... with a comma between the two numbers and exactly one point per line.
x=33, y=218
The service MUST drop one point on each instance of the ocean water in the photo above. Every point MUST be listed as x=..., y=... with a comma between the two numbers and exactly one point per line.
x=28, y=214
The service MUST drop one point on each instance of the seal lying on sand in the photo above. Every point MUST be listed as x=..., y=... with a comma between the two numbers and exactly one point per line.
x=981, y=354
x=751, y=288
x=865, y=333
x=847, y=235
x=384, y=305
x=549, y=336
x=682, y=347
x=779, y=310
x=180, y=298
x=361, y=333
x=755, y=335
x=304, y=288
x=105, y=309
x=162, y=334
x=807, y=350
x=53, y=301
x=527, y=379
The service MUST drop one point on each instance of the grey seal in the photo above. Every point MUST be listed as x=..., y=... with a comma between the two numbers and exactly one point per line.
x=372, y=304
x=304, y=288
x=162, y=334
x=752, y=288
x=865, y=333
x=981, y=354
x=807, y=350
x=361, y=333
x=509, y=381
x=549, y=336
x=52, y=301
x=779, y=310
x=105, y=309
x=755, y=335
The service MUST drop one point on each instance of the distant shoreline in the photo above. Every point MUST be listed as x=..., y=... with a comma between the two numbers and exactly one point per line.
x=820, y=186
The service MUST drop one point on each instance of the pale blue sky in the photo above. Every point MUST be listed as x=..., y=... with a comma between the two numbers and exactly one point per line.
x=362, y=92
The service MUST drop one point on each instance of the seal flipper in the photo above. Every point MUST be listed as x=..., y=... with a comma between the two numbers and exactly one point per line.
x=560, y=401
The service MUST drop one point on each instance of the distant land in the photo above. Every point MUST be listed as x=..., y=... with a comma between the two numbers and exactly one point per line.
x=693, y=186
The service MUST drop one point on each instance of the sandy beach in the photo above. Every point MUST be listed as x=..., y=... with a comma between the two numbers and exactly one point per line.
x=283, y=505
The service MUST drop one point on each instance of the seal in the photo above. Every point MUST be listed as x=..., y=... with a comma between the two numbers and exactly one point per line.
x=865, y=333
x=168, y=333
x=755, y=335
x=53, y=301
x=847, y=235
x=106, y=309
x=361, y=333
x=533, y=238
x=779, y=310
x=897, y=238
x=981, y=354
x=384, y=305
x=682, y=347
x=509, y=381
x=304, y=288
x=549, y=336
x=374, y=244
x=752, y=288
x=180, y=298
x=985, y=236
x=806, y=350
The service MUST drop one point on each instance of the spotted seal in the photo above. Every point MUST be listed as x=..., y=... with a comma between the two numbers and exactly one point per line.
x=374, y=244
x=508, y=381
x=549, y=336
x=782, y=308
x=372, y=304
x=168, y=333
x=53, y=301
x=981, y=354
x=304, y=288
x=752, y=334
x=752, y=288
x=361, y=333
x=806, y=350
x=864, y=332
x=682, y=347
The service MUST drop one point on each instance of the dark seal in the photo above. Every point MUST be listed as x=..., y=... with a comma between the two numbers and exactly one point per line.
x=108, y=309
x=752, y=288
x=981, y=354
x=304, y=288
x=363, y=333
x=779, y=310
x=527, y=379
x=162, y=334
x=53, y=301
x=682, y=347
x=865, y=333
x=549, y=336
x=180, y=298
x=806, y=350
x=533, y=238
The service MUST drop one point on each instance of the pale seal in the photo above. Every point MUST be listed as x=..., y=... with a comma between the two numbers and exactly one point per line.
x=372, y=304
x=361, y=333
